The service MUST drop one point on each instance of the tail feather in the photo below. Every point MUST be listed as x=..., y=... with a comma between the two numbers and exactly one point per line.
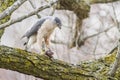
x=22, y=37
x=25, y=43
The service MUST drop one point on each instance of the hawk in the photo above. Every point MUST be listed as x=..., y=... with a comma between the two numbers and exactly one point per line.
x=42, y=29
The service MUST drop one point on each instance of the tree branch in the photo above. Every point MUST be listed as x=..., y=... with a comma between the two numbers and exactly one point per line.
x=39, y=66
x=80, y=7
x=101, y=1
x=97, y=33
x=11, y=9
x=34, y=7
x=10, y=22
x=117, y=61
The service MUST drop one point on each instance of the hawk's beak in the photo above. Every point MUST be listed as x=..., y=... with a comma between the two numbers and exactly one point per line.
x=59, y=27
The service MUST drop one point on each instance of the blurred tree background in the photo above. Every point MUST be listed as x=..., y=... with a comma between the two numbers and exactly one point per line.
x=85, y=47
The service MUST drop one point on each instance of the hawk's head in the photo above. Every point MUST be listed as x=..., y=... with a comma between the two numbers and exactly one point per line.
x=58, y=22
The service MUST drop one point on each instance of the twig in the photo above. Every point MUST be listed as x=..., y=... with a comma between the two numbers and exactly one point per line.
x=10, y=22
x=84, y=39
x=12, y=8
x=34, y=7
x=53, y=10
x=97, y=33
x=58, y=42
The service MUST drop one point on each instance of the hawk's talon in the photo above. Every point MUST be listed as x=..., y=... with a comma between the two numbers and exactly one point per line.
x=49, y=53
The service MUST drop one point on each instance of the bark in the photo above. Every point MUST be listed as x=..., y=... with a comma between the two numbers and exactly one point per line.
x=101, y=1
x=80, y=7
x=39, y=65
x=116, y=64
x=11, y=9
x=76, y=35
x=50, y=69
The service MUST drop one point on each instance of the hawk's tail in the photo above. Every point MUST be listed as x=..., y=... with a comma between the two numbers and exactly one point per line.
x=22, y=37
x=25, y=43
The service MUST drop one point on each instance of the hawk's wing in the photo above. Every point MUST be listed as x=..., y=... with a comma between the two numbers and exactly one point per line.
x=34, y=28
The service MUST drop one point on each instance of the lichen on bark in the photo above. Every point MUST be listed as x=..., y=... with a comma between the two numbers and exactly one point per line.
x=51, y=69
x=3, y=5
x=39, y=65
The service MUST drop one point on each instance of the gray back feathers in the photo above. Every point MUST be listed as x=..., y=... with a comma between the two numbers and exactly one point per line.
x=34, y=28
x=38, y=24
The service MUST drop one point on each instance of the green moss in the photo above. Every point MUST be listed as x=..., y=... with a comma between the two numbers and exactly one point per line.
x=43, y=66
x=1, y=32
x=111, y=57
x=100, y=68
x=20, y=51
x=3, y=5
